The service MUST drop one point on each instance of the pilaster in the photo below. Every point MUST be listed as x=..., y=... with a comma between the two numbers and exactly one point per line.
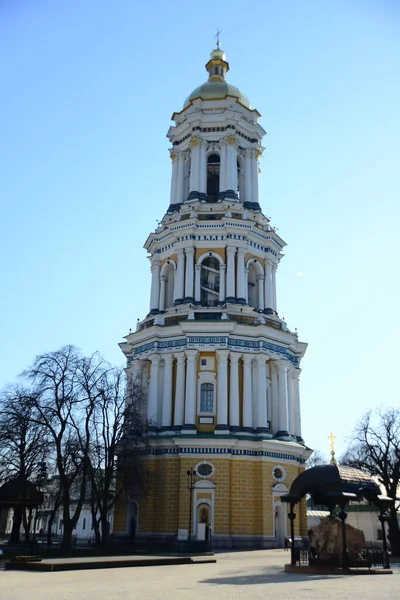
x=230, y=276
x=180, y=277
x=191, y=389
x=222, y=390
x=234, y=422
x=247, y=393
x=189, y=252
x=167, y=392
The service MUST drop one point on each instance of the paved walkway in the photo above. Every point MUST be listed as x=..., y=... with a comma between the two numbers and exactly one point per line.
x=236, y=576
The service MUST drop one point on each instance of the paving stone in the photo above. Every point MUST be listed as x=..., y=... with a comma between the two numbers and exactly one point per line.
x=254, y=575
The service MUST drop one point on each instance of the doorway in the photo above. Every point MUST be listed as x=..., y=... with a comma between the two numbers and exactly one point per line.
x=203, y=522
x=280, y=524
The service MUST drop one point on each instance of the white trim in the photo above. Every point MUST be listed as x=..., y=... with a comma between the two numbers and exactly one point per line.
x=210, y=254
x=167, y=264
x=279, y=479
x=206, y=377
x=257, y=265
x=205, y=462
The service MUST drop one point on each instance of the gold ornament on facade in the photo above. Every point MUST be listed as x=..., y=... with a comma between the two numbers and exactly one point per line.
x=194, y=141
x=231, y=140
x=259, y=152
x=172, y=156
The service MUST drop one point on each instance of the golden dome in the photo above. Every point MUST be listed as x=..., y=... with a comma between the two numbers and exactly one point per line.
x=216, y=90
x=216, y=87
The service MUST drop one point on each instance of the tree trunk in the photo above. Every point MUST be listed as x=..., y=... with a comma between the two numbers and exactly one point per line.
x=394, y=532
x=16, y=526
x=66, y=542
x=105, y=530
x=49, y=527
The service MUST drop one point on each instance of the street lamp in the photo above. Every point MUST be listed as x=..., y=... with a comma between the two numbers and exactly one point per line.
x=191, y=475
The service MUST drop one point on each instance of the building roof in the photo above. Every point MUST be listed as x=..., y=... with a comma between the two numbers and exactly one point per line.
x=216, y=88
x=328, y=483
x=20, y=492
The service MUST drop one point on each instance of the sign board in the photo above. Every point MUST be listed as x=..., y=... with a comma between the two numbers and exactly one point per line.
x=182, y=534
x=201, y=531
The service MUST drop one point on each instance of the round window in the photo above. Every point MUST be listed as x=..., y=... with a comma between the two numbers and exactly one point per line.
x=204, y=470
x=278, y=473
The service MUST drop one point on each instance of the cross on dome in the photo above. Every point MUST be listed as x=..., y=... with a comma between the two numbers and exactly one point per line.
x=216, y=36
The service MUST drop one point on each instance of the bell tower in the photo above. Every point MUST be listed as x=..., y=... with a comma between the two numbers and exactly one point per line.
x=219, y=368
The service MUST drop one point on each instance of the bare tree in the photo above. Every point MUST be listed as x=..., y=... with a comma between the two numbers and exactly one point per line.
x=23, y=446
x=375, y=449
x=118, y=443
x=316, y=459
x=61, y=404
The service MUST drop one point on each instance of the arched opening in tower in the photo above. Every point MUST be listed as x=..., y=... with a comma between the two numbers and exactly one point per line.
x=213, y=172
x=209, y=282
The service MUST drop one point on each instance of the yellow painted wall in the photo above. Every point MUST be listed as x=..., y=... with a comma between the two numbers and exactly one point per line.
x=243, y=498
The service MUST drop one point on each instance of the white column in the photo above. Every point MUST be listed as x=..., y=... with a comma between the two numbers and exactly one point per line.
x=234, y=392
x=262, y=416
x=254, y=177
x=203, y=168
x=275, y=397
x=240, y=275
x=152, y=404
x=246, y=280
x=163, y=282
x=283, y=416
x=268, y=283
x=132, y=380
x=222, y=391
x=197, y=289
x=194, y=165
x=234, y=168
x=247, y=176
x=274, y=268
x=260, y=280
x=247, y=393
x=269, y=394
x=222, y=276
x=167, y=392
x=191, y=388
x=180, y=178
x=228, y=168
x=175, y=282
x=174, y=178
x=155, y=284
x=297, y=412
x=230, y=276
x=179, y=390
x=189, y=274
x=290, y=401
x=180, y=276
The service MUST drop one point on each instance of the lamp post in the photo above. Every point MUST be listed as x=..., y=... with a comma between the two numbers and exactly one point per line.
x=382, y=517
x=191, y=475
x=292, y=516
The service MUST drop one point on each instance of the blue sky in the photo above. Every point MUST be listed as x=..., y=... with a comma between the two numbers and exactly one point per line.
x=88, y=89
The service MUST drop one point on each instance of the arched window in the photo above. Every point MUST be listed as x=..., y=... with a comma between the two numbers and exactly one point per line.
x=209, y=281
x=213, y=171
x=252, y=286
x=207, y=397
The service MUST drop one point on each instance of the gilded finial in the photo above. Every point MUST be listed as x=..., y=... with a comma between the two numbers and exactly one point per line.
x=216, y=36
x=331, y=438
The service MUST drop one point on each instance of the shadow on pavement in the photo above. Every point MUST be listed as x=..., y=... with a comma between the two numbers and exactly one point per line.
x=259, y=578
